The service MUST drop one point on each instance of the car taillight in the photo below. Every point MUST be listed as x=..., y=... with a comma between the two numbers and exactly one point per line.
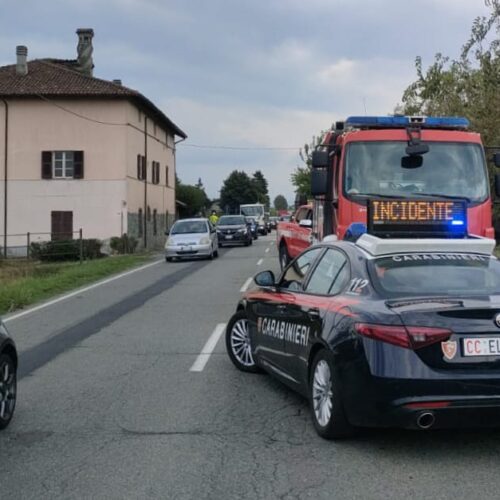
x=410, y=337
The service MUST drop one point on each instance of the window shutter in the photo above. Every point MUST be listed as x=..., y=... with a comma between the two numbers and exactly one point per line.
x=144, y=171
x=139, y=166
x=46, y=164
x=78, y=164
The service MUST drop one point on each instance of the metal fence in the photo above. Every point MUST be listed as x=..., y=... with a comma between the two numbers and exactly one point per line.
x=48, y=246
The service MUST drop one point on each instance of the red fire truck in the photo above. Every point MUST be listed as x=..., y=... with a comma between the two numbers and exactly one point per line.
x=391, y=157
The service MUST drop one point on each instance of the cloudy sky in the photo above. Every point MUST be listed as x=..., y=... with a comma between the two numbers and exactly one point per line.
x=248, y=73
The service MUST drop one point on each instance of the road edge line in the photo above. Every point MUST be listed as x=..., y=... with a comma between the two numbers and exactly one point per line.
x=246, y=285
x=31, y=310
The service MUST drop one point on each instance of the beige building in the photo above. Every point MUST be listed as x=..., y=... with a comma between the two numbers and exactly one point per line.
x=81, y=152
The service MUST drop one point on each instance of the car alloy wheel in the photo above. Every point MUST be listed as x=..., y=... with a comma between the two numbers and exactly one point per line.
x=238, y=343
x=322, y=393
x=8, y=381
x=325, y=398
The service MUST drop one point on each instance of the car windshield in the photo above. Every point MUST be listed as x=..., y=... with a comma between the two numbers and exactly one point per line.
x=252, y=210
x=450, y=169
x=189, y=226
x=231, y=220
x=436, y=274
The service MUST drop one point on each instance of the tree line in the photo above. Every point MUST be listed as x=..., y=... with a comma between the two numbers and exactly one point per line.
x=237, y=189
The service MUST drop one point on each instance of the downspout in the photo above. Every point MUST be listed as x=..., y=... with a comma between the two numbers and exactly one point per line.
x=175, y=174
x=5, y=172
x=145, y=180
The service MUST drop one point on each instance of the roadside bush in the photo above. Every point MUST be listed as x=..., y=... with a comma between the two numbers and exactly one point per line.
x=62, y=250
x=123, y=244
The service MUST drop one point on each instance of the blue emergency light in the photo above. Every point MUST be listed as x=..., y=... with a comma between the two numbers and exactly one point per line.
x=444, y=122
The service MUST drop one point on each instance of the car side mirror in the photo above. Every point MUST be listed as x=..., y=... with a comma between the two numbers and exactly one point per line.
x=496, y=159
x=306, y=223
x=265, y=278
x=319, y=159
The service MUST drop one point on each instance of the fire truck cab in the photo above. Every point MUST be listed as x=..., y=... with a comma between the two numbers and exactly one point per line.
x=398, y=157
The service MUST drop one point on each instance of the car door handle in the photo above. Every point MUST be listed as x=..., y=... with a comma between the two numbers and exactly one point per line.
x=281, y=307
x=313, y=313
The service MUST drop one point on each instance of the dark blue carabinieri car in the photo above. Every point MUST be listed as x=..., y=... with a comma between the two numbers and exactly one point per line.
x=380, y=332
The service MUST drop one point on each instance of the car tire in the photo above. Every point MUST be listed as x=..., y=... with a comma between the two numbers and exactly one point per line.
x=284, y=257
x=238, y=343
x=216, y=253
x=325, y=399
x=250, y=241
x=169, y=259
x=8, y=390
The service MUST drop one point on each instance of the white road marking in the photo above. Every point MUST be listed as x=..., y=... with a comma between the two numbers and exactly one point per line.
x=260, y=262
x=78, y=292
x=208, y=348
x=267, y=249
x=246, y=285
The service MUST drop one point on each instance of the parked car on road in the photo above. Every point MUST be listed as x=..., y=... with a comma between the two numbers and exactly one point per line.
x=233, y=229
x=189, y=238
x=380, y=333
x=8, y=376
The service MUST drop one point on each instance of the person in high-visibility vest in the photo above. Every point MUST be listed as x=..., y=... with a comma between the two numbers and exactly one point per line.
x=213, y=217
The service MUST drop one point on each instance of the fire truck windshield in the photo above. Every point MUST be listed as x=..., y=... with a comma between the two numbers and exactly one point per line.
x=451, y=169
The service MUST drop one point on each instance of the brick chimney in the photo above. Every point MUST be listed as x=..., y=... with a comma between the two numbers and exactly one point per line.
x=21, y=62
x=85, y=50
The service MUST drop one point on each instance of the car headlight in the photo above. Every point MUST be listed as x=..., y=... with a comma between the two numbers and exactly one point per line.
x=218, y=231
x=170, y=242
x=205, y=240
x=242, y=230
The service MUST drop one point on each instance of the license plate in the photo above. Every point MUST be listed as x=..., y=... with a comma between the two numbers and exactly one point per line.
x=186, y=249
x=484, y=346
x=229, y=237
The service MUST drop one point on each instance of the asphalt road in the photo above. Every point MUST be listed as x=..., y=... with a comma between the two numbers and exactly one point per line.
x=109, y=407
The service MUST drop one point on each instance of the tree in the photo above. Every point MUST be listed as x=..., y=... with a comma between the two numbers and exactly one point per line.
x=301, y=177
x=193, y=197
x=237, y=189
x=280, y=203
x=468, y=86
x=260, y=184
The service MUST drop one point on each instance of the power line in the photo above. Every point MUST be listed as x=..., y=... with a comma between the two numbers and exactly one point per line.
x=240, y=148
x=100, y=122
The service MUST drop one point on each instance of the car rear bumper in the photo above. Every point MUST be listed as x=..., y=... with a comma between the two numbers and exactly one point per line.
x=384, y=402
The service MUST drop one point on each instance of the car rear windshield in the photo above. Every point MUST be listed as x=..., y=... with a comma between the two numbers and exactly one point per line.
x=435, y=274
x=189, y=226
x=230, y=220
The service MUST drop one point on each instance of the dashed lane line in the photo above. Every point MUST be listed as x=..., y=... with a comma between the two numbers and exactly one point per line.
x=246, y=285
x=267, y=249
x=208, y=349
x=259, y=262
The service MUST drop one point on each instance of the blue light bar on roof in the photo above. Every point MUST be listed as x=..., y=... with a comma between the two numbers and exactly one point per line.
x=445, y=122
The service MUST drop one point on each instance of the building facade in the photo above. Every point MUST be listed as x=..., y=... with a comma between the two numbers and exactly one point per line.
x=78, y=152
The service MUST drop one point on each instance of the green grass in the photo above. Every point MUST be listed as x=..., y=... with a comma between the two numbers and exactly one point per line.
x=24, y=283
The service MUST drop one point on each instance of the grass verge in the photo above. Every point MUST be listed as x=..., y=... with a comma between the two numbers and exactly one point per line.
x=24, y=283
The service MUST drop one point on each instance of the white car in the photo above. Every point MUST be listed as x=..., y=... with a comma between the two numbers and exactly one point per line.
x=191, y=238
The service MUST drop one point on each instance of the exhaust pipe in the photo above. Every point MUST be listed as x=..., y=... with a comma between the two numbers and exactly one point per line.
x=426, y=420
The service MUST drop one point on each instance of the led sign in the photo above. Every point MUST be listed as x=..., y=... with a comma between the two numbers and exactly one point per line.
x=443, y=218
